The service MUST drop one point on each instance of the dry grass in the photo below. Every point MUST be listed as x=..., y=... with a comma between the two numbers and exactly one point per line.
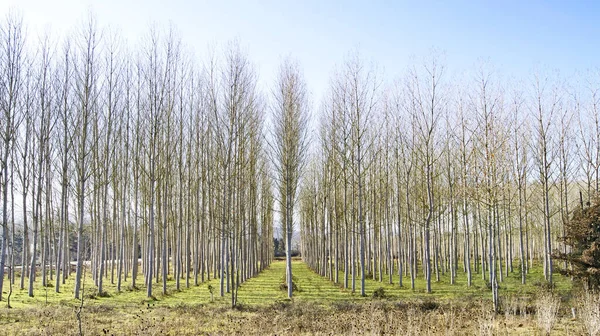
x=547, y=305
x=589, y=312
x=281, y=318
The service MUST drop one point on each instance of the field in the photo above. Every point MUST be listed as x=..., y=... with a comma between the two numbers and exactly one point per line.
x=319, y=307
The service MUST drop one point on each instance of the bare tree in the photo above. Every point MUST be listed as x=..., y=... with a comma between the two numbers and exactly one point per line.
x=65, y=144
x=546, y=103
x=86, y=95
x=290, y=119
x=426, y=106
x=233, y=106
x=520, y=172
x=487, y=106
x=12, y=41
x=42, y=176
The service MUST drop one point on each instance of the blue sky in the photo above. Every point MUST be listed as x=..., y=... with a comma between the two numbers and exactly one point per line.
x=515, y=36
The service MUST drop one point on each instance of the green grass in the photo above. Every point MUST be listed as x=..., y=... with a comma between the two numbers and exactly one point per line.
x=319, y=306
x=126, y=297
x=445, y=291
x=265, y=289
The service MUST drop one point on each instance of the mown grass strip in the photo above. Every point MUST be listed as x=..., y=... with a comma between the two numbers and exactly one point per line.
x=265, y=289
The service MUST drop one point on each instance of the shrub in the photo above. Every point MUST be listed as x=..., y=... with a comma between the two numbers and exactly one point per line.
x=379, y=293
x=546, y=311
x=583, y=236
x=589, y=312
x=283, y=284
x=488, y=285
x=429, y=304
x=544, y=286
x=211, y=290
x=103, y=294
x=281, y=305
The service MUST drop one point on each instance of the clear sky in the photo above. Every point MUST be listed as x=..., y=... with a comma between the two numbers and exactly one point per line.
x=515, y=36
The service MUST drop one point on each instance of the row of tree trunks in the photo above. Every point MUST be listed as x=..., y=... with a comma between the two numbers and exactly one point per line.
x=444, y=179
x=129, y=159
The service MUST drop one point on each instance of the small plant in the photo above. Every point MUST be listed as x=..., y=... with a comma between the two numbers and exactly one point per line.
x=429, y=304
x=401, y=305
x=211, y=290
x=103, y=294
x=379, y=293
x=485, y=317
x=283, y=285
x=146, y=324
x=546, y=305
x=515, y=306
x=281, y=305
x=544, y=285
x=488, y=285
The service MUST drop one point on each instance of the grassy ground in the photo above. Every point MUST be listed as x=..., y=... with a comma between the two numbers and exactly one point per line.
x=318, y=307
x=445, y=291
